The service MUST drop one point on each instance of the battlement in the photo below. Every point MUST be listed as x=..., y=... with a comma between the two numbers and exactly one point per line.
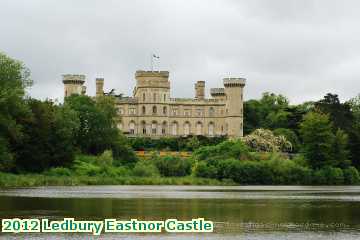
x=73, y=79
x=142, y=73
x=217, y=91
x=234, y=82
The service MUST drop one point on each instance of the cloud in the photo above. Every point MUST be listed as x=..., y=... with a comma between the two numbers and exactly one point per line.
x=302, y=49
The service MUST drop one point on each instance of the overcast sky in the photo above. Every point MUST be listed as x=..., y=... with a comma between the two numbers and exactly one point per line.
x=302, y=49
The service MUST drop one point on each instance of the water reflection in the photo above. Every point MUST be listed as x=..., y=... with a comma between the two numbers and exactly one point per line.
x=255, y=212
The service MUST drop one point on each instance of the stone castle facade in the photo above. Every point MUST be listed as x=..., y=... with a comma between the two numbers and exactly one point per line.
x=151, y=111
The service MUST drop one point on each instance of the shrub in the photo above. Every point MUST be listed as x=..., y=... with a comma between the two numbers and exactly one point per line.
x=351, y=175
x=265, y=140
x=328, y=176
x=145, y=169
x=58, y=171
x=206, y=171
x=173, y=166
x=105, y=159
x=84, y=168
x=227, y=149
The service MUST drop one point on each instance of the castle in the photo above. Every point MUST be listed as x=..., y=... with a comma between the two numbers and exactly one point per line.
x=152, y=112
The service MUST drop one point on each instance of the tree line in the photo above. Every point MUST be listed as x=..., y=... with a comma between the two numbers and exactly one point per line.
x=311, y=143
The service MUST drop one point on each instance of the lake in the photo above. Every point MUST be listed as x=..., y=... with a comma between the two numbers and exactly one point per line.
x=238, y=212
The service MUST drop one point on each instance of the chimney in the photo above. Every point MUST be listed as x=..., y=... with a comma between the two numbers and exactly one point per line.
x=99, y=87
x=200, y=90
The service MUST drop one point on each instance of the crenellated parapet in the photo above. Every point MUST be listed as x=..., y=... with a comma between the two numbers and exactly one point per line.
x=73, y=79
x=217, y=92
x=234, y=82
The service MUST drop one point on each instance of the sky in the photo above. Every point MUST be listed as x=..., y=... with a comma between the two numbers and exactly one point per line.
x=301, y=49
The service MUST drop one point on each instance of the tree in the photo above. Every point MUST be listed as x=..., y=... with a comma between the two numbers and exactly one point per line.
x=48, y=139
x=318, y=139
x=14, y=77
x=98, y=131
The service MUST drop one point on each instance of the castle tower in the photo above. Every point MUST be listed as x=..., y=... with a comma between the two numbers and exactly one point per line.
x=152, y=86
x=99, y=87
x=73, y=84
x=234, y=106
x=200, y=90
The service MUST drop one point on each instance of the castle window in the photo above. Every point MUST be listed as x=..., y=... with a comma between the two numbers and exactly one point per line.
x=187, y=112
x=132, y=128
x=144, y=98
x=153, y=127
x=164, y=97
x=164, y=110
x=174, y=128
x=143, y=126
x=121, y=111
x=132, y=111
x=163, y=129
x=143, y=110
x=211, y=129
x=154, y=97
x=154, y=109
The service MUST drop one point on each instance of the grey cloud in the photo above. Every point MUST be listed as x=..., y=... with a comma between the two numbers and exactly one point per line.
x=302, y=49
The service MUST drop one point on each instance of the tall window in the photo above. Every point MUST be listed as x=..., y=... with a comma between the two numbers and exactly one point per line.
x=132, y=128
x=144, y=98
x=153, y=127
x=154, y=97
x=163, y=128
x=164, y=110
x=164, y=97
x=211, y=129
x=143, y=126
x=154, y=109
x=143, y=110
x=174, y=129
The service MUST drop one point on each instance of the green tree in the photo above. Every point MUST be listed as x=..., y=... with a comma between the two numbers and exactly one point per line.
x=318, y=139
x=48, y=139
x=14, y=77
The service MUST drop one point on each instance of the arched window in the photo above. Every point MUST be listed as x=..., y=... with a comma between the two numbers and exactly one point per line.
x=164, y=110
x=144, y=98
x=187, y=128
x=174, y=129
x=143, y=110
x=153, y=127
x=143, y=127
x=163, y=128
x=154, y=109
x=164, y=97
x=211, y=129
x=132, y=128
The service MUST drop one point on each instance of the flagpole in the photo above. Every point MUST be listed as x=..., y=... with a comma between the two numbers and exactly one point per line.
x=151, y=62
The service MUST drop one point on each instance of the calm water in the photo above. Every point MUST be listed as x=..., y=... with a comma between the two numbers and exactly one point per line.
x=260, y=212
